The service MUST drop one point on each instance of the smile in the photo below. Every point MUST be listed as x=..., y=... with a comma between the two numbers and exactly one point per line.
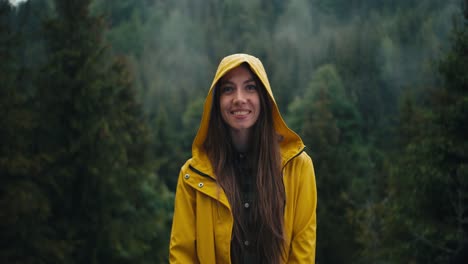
x=240, y=112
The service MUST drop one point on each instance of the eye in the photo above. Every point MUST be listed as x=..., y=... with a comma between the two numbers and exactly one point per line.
x=251, y=87
x=227, y=89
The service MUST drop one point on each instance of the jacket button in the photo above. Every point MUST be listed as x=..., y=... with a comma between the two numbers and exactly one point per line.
x=186, y=176
x=246, y=205
x=200, y=184
x=246, y=243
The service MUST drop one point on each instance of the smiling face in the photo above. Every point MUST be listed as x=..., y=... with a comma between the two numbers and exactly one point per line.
x=239, y=100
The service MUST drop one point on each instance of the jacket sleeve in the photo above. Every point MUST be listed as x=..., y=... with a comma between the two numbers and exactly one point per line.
x=182, y=248
x=305, y=219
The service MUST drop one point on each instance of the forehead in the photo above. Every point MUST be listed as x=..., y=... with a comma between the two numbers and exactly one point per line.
x=239, y=72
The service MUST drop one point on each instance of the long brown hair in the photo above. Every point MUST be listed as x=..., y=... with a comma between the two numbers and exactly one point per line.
x=266, y=163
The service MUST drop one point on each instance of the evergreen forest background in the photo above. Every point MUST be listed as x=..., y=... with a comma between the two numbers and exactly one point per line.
x=100, y=101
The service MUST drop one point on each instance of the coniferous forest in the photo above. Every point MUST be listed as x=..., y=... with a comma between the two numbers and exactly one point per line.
x=100, y=101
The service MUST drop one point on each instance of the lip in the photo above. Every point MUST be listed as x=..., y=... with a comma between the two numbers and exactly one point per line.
x=240, y=113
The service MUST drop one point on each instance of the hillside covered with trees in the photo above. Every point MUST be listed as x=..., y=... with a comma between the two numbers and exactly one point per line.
x=100, y=101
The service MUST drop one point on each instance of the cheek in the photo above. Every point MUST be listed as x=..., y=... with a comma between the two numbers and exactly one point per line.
x=223, y=107
x=223, y=104
x=256, y=102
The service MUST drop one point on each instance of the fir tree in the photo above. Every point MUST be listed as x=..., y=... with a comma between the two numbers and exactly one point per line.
x=106, y=205
x=24, y=206
x=429, y=189
x=329, y=124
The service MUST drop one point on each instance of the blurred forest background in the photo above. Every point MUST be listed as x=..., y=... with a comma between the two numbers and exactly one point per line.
x=100, y=101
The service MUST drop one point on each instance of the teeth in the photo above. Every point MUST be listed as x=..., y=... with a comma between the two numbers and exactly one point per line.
x=241, y=112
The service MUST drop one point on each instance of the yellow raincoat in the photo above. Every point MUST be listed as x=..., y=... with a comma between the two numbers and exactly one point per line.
x=202, y=223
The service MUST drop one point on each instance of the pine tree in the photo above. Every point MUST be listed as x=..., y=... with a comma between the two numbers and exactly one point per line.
x=429, y=200
x=329, y=123
x=106, y=205
x=24, y=206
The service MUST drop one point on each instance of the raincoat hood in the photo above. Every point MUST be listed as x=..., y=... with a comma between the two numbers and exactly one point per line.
x=290, y=143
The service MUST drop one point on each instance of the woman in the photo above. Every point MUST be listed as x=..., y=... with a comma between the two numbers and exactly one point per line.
x=248, y=193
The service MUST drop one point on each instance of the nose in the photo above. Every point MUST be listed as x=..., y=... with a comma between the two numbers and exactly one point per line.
x=239, y=97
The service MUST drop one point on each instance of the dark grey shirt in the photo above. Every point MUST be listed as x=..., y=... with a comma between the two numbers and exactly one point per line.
x=243, y=249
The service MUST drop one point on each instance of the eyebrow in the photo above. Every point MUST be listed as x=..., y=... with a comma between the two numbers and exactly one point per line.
x=229, y=82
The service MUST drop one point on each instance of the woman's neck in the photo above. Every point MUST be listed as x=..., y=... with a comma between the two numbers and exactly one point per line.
x=241, y=140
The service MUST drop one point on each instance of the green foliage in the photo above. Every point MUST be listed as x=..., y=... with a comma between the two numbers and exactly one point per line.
x=24, y=206
x=329, y=125
x=429, y=188
x=77, y=181
x=86, y=178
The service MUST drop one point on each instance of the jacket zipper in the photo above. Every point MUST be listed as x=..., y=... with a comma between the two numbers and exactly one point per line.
x=199, y=172
x=293, y=157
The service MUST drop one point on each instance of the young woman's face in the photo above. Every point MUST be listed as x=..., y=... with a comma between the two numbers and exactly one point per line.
x=239, y=99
